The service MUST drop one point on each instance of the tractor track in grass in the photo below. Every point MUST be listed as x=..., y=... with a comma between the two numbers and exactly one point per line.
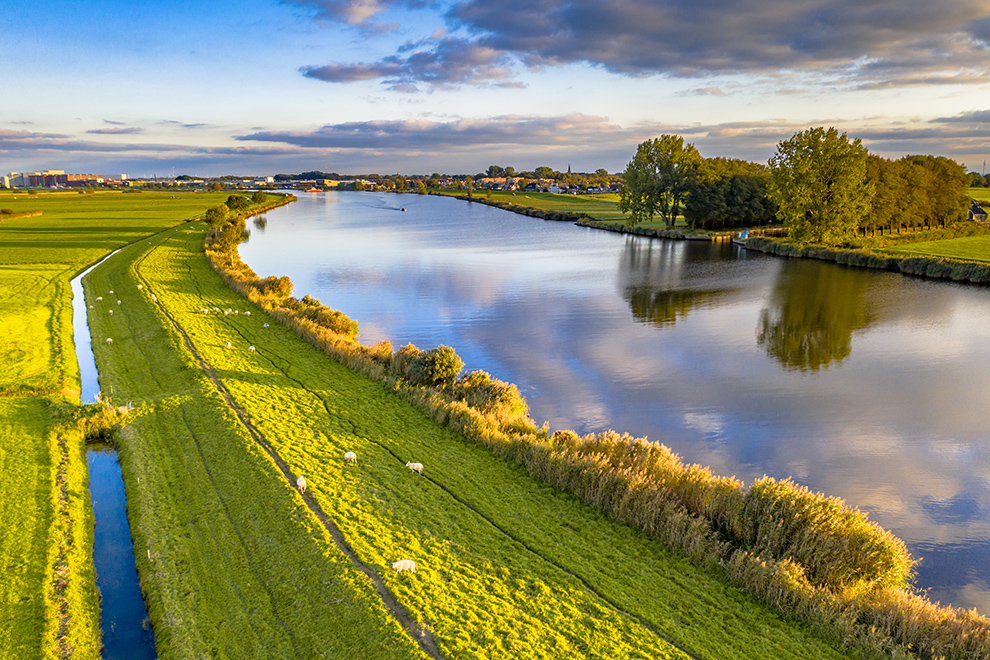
x=422, y=637
x=321, y=515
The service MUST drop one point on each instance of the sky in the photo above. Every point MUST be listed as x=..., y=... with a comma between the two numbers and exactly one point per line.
x=262, y=87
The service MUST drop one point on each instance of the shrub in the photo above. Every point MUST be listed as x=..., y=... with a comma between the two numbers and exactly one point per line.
x=438, y=367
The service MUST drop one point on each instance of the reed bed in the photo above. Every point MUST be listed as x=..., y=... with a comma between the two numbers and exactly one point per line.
x=810, y=557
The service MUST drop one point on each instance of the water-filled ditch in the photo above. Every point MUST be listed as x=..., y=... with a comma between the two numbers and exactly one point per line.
x=126, y=629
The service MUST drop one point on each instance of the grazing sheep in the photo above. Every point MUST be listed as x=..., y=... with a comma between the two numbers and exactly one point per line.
x=204, y=311
x=109, y=340
x=140, y=286
x=301, y=485
x=415, y=467
x=350, y=457
x=266, y=325
x=110, y=311
x=250, y=349
x=404, y=565
x=99, y=298
x=91, y=307
x=154, y=298
x=111, y=290
x=247, y=313
x=118, y=302
x=216, y=309
x=227, y=344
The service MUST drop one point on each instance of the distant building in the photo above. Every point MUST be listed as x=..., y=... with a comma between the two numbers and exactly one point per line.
x=977, y=213
x=4, y=182
x=45, y=179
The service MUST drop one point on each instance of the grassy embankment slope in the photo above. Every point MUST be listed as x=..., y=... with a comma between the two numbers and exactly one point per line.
x=48, y=601
x=239, y=561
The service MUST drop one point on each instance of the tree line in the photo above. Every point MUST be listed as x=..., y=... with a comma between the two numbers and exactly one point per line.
x=825, y=187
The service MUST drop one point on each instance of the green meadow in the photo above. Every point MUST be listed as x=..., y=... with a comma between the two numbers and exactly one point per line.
x=980, y=194
x=970, y=248
x=48, y=601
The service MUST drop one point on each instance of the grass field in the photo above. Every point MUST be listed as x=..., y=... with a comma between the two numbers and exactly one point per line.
x=48, y=601
x=972, y=248
x=980, y=194
x=505, y=567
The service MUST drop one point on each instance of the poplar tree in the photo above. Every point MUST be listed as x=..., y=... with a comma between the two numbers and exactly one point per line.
x=657, y=179
x=818, y=181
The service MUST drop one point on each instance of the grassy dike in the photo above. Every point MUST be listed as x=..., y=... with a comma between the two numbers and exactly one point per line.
x=48, y=600
x=234, y=560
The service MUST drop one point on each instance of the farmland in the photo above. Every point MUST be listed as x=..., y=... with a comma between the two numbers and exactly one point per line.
x=48, y=601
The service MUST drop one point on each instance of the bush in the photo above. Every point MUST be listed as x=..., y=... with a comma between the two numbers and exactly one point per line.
x=438, y=367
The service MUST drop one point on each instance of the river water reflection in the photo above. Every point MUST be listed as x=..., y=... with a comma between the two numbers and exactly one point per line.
x=867, y=385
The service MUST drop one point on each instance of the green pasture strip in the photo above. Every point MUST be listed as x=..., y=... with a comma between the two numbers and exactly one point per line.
x=232, y=563
x=972, y=248
x=35, y=328
x=26, y=513
x=979, y=194
x=505, y=566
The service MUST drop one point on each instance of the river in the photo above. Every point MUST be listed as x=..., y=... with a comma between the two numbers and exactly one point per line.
x=871, y=386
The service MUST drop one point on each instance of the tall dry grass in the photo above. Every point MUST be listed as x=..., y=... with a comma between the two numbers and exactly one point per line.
x=810, y=557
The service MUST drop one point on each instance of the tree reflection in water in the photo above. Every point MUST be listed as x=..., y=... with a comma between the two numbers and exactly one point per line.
x=664, y=280
x=813, y=314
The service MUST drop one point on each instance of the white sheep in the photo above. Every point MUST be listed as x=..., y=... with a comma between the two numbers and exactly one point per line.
x=91, y=307
x=154, y=298
x=118, y=302
x=350, y=457
x=216, y=309
x=110, y=311
x=140, y=286
x=415, y=467
x=250, y=349
x=266, y=325
x=301, y=485
x=236, y=312
x=111, y=290
x=204, y=311
x=404, y=565
x=109, y=340
x=247, y=313
x=227, y=344
x=99, y=298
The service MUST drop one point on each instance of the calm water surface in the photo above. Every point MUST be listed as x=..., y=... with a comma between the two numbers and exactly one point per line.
x=866, y=385
x=124, y=626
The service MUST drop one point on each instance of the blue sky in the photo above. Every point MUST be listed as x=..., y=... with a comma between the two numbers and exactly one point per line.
x=267, y=86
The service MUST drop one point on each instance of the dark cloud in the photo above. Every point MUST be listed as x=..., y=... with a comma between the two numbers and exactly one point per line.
x=877, y=43
x=129, y=130
x=974, y=117
x=535, y=132
x=448, y=62
x=113, y=123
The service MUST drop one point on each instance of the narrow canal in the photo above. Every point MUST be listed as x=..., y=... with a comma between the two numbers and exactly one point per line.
x=124, y=623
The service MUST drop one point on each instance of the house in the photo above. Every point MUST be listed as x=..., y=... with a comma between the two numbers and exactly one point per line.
x=977, y=213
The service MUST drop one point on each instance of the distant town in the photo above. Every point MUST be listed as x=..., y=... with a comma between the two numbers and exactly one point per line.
x=543, y=179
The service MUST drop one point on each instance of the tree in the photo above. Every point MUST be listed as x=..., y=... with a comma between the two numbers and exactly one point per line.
x=237, y=203
x=818, y=180
x=495, y=171
x=259, y=197
x=544, y=172
x=657, y=179
x=216, y=216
